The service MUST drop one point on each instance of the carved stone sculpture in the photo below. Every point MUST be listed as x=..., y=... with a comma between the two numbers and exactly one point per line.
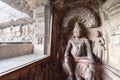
x=99, y=48
x=79, y=48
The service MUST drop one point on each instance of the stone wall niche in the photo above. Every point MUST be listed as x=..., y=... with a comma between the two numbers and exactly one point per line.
x=114, y=46
x=87, y=21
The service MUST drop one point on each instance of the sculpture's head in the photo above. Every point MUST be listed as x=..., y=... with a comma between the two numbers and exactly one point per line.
x=77, y=30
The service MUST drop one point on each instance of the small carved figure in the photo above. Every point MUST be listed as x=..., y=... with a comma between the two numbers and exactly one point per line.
x=79, y=47
x=99, y=48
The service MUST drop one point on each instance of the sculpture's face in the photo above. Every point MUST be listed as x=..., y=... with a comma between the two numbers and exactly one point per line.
x=77, y=33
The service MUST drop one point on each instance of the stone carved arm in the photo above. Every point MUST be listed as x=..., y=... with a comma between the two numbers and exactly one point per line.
x=66, y=64
x=88, y=49
x=67, y=50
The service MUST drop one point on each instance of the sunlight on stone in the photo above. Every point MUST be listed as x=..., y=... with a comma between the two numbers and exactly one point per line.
x=8, y=13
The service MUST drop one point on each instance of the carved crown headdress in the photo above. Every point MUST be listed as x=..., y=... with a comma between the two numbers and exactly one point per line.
x=77, y=27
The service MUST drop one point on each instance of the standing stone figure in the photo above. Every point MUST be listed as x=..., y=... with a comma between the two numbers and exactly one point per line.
x=79, y=48
x=99, y=48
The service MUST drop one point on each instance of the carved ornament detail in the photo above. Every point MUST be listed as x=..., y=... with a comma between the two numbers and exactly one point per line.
x=84, y=15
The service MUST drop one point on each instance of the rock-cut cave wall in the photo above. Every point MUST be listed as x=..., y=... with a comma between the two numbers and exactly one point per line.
x=96, y=16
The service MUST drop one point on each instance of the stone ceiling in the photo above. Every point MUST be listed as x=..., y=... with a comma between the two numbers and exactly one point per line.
x=8, y=13
x=26, y=6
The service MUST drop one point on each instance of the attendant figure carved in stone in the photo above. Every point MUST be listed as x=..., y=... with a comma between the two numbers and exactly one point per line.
x=99, y=48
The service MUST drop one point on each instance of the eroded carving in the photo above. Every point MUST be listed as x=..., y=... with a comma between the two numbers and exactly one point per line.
x=84, y=15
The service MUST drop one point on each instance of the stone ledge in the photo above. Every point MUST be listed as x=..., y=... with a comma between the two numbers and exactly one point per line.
x=12, y=64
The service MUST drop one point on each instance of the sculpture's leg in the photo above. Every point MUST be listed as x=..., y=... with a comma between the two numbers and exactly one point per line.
x=70, y=77
x=89, y=75
x=78, y=77
x=78, y=72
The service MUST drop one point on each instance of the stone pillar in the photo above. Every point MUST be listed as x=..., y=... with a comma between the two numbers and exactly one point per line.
x=47, y=29
x=39, y=30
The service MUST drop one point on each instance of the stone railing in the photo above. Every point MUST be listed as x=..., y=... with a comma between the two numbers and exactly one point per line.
x=43, y=69
x=13, y=50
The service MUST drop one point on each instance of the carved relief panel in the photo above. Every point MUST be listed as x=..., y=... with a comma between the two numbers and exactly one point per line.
x=66, y=15
x=87, y=20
